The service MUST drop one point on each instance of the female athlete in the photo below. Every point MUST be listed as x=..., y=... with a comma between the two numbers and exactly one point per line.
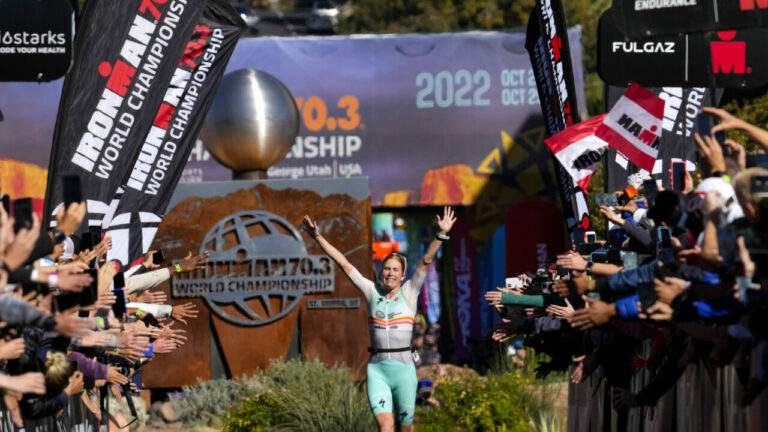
x=391, y=374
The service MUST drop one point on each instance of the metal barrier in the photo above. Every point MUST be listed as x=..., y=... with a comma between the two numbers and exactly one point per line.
x=700, y=401
x=75, y=418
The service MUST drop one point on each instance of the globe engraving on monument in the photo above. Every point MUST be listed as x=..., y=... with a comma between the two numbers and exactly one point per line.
x=256, y=255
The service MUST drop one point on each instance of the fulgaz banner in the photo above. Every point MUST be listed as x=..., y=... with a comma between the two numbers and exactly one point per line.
x=724, y=59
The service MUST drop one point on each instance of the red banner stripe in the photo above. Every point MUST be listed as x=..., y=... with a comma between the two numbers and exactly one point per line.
x=574, y=133
x=584, y=183
x=646, y=99
x=626, y=148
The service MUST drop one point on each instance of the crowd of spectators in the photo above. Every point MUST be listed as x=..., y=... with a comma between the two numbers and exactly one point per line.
x=75, y=331
x=680, y=271
x=425, y=340
x=683, y=269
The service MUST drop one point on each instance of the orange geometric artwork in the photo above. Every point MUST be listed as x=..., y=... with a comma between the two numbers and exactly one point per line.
x=20, y=179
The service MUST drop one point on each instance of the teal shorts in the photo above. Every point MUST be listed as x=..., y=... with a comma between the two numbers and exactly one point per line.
x=392, y=382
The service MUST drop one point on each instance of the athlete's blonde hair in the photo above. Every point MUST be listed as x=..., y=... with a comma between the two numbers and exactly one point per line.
x=396, y=256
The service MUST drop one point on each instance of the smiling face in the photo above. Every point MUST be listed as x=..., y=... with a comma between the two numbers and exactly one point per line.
x=392, y=272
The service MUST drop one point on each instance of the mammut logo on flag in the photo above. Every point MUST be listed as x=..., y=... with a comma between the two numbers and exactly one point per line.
x=633, y=126
x=729, y=57
x=646, y=136
x=750, y=4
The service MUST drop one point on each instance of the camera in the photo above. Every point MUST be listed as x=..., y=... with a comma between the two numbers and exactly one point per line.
x=125, y=370
x=424, y=392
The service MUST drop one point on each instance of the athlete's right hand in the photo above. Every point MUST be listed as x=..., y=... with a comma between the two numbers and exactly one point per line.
x=310, y=227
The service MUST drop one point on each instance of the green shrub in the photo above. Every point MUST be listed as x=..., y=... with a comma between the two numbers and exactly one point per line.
x=300, y=396
x=507, y=400
x=309, y=397
x=207, y=402
x=255, y=413
x=496, y=403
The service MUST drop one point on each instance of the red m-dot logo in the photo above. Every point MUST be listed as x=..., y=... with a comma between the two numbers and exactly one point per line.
x=729, y=57
x=750, y=4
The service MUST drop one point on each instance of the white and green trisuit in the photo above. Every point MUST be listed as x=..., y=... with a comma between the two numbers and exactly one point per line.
x=391, y=374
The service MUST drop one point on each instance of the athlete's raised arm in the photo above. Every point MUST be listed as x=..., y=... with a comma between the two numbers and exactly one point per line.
x=310, y=227
x=444, y=225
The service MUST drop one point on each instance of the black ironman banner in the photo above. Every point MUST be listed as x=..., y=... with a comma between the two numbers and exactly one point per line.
x=547, y=45
x=643, y=18
x=677, y=142
x=125, y=54
x=724, y=59
x=149, y=184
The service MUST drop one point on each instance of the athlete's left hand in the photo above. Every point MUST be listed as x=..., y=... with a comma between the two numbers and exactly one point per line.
x=447, y=221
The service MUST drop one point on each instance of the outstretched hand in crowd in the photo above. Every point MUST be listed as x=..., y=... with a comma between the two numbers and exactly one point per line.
x=594, y=313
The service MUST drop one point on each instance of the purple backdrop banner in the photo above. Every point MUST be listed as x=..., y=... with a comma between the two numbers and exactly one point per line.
x=450, y=118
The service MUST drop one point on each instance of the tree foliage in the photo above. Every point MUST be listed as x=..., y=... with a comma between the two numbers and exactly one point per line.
x=752, y=109
x=430, y=16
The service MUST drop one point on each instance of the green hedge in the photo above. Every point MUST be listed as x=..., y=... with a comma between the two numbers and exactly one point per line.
x=503, y=402
x=308, y=396
x=304, y=396
x=294, y=395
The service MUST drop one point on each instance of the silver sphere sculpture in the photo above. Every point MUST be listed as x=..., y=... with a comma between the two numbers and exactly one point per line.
x=252, y=123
